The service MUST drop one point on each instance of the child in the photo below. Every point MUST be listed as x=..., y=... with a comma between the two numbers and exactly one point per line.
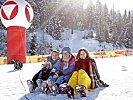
x=43, y=74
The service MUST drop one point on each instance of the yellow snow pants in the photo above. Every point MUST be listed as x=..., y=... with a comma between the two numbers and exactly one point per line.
x=80, y=78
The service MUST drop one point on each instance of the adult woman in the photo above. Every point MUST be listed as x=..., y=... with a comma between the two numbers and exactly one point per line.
x=82, y=78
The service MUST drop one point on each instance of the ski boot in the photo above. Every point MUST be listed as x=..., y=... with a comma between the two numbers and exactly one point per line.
x=39, y=82
x=52, y=87
x=67, y=89
x=31, y=86
x=45, y=87
x=81, y=90
x=39, y=85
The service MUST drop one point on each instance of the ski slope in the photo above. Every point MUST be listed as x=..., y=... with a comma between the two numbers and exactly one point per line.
x=117, y=72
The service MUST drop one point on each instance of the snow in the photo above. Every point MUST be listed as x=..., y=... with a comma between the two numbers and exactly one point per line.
x=75, y=41
x=117, y=72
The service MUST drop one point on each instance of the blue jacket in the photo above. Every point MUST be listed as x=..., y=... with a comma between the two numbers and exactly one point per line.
x=64, y=74
x=58, y=67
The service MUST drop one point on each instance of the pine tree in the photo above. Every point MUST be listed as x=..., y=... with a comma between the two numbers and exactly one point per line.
x=98, y=22
x=90, y=15
x=33, y=45
x=54, y=28
x=126, y=37
x=3, y=42
x=1, y=25
x=39, y=9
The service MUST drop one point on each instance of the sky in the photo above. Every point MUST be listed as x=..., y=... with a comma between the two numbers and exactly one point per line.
x=118, y=4
x=117, y=72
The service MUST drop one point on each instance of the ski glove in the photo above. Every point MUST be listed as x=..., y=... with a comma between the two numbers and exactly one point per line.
x=52, y=73
x=60, y=73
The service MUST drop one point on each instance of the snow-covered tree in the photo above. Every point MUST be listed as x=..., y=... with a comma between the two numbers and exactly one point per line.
x=1, y=25
x=33, y=45
x=3, y=42
x=39, y=9
x=98, y=21
x=54, y=28
x=90, y=15
x=126, y=37
x=113, y=27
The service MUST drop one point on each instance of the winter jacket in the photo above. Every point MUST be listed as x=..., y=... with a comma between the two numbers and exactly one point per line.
x=64, y=74
x=86, y=65
x=49, y=59
x=44, y=74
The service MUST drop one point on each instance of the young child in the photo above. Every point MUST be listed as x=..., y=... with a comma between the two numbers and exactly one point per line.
x=43, y=74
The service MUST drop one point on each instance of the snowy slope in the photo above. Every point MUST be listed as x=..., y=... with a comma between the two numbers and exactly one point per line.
x=117, y=72
x=75, y=41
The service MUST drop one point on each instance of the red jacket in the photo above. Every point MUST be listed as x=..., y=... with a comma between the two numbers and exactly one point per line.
x=86, y=64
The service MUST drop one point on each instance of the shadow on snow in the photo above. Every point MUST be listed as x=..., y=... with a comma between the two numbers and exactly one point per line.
x=91, y=95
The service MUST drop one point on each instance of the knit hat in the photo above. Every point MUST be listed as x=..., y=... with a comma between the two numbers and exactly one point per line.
x=56, y=51
x=46, y=66
x=66, y=49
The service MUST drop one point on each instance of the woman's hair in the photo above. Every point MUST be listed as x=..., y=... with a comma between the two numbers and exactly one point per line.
x=78, y=55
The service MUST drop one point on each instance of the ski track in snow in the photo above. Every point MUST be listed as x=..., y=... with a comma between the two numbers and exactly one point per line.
x=117, y=72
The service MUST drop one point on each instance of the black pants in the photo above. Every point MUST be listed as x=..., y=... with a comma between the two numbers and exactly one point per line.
x=45, y=75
